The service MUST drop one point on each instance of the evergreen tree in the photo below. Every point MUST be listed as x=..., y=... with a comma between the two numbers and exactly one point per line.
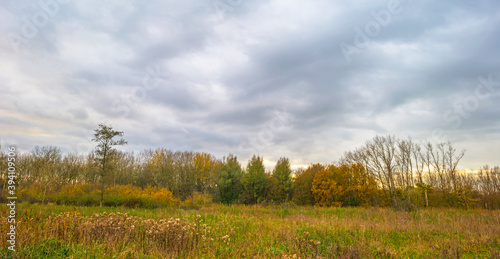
x=282, y=187
x=104, y=151
x=254, y=181
x=229, y=181
x=302, y=193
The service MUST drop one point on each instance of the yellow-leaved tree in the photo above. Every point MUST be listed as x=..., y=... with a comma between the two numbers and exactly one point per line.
x=344, y=185
x=360, y=188
x=206, y=167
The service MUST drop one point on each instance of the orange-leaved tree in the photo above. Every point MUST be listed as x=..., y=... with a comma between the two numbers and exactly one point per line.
x=326, y=188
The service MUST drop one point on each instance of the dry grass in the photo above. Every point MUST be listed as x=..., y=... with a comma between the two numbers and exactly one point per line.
x=171, y=236
x=118, y=231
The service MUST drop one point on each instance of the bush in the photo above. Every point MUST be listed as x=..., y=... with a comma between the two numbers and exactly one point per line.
x=131, y=196
x=90, y=195
x=197, y=200
x=32, y=194
x=69, y=194
x=161, y=195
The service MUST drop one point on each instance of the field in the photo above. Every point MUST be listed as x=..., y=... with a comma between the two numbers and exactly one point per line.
x=238, y=231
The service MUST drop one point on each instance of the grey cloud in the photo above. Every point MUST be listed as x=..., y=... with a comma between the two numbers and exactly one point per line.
x=226, y=72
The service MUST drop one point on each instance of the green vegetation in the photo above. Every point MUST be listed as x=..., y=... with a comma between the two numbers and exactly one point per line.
x=254, y=182
x=242, y=231
x=385, y=172
x=229, y=183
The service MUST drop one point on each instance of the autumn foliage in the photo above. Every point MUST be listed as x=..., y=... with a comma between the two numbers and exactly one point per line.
x=302, y=192
x=386, y=171
x=119, y=195
x=344, y=185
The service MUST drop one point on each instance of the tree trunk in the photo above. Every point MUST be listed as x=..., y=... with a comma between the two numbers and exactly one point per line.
x=102, y=189
x=426, y=200
x=44, y=193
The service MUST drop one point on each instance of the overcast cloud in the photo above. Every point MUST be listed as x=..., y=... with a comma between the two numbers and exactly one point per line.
x=303, y=79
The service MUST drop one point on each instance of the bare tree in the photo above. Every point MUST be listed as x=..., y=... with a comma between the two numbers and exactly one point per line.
x=379, y=157
x=438, y=163
x=396, y=163
x=444, y=160
x=405, y=163
x=71, y=167
x=3, y=168
x=46, y=163
x=452, y=158
x=489, y=180
x=419, y=161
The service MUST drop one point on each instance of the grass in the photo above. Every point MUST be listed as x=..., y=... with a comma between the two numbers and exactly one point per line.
x=238, y=231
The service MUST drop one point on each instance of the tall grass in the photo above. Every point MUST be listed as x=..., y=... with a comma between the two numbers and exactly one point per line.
x=239, y=231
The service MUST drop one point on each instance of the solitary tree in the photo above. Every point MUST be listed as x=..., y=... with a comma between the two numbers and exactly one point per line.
x=104, y=151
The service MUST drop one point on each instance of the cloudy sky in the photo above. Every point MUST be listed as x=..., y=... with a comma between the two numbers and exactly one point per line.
x=303, y=79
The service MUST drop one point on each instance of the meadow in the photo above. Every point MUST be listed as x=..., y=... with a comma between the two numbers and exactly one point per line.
x=243, y=231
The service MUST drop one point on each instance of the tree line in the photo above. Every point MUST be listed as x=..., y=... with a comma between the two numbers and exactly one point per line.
x=385, y=171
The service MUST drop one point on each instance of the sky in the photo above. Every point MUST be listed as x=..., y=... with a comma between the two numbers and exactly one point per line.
x=307, y=80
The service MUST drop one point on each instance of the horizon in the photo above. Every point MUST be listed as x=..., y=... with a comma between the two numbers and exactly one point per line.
x=268, y=164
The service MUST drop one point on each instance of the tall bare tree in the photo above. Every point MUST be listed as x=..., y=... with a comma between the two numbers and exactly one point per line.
x=397, y=163
x=405, y=162
x=379, y=157
x=452, y=158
